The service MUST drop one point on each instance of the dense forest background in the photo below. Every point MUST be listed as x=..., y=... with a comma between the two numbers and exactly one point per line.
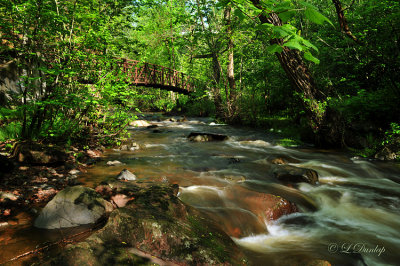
x=325, y=72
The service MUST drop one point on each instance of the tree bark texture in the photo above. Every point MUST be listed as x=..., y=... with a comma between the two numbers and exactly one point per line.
x=299, y=75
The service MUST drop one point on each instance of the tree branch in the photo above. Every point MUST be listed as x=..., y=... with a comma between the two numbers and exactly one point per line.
x=343, y=22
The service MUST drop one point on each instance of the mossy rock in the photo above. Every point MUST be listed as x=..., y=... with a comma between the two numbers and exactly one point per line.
x=97, y=252
x=72, y=207
x=156, y=222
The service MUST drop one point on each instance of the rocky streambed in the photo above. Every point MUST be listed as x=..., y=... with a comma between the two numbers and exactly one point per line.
x=189, y=191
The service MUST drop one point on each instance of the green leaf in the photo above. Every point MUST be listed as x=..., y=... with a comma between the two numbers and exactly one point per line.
x=238, y=13
x=310, y=57
x=315, y=16
x=294, y=44
x=308, y=5
x=286, y=16
x=274, y=49
x=283, y=6
x=281, y=32
x=264, y=26
x=309, y=45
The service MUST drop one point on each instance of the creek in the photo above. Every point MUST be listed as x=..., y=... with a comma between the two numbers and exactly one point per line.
x=350, y=218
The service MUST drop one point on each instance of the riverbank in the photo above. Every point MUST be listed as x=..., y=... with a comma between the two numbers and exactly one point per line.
x=363, y=140
x=27, y=184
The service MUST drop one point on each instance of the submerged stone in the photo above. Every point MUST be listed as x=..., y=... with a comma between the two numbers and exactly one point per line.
x=203, y=137
x=292, y=174
x=283, y=159
x=114, y=163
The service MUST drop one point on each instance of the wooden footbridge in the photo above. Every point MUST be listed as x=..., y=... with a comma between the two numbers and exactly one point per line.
x=151, y=75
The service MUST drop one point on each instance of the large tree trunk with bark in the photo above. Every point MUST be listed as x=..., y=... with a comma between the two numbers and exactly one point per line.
x=303, y=82
x=299, y=75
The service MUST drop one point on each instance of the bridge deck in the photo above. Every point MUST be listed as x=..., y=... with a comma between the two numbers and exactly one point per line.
x=151, y=75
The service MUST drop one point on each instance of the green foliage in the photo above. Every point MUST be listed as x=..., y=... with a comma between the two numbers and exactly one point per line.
x=311, y=12
x=10, y=131
x=288, y=142
x=165, y=105
x=367, y=106
x=200, y=107
x=393, y=134
x=67, y=84
x=365, y=153
x=70, y=86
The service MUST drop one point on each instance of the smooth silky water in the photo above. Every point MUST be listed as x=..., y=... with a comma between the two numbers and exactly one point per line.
x=350, y=218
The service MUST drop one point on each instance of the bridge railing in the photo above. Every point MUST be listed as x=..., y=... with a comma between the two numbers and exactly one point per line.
x=147, y=74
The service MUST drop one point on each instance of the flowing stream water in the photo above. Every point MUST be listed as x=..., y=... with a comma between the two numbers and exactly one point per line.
x=350, y=218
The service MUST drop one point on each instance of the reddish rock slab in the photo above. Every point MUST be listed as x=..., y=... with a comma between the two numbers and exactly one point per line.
x=265, y=206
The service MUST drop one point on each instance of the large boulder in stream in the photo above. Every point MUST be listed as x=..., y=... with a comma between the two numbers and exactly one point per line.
x=72, y=207
x=203, y=137
x=154, y=225
x=267, y=207
x=293, y=174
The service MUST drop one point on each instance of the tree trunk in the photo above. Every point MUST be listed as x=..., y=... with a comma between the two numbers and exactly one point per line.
x=300, y=77
x=216, y=92
x=231, y=99
x=216, y=68
x=303, y=82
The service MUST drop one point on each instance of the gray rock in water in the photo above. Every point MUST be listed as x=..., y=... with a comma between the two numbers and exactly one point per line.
x=72, y=207
x=183, y=119
x=126, y=175
x=124, y=148
x=114, y=163
x=139, y=123
x=202, y=137
x=161, y=226
x=292, y=174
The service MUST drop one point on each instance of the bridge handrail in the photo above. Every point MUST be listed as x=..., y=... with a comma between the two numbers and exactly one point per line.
x=142, y=73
